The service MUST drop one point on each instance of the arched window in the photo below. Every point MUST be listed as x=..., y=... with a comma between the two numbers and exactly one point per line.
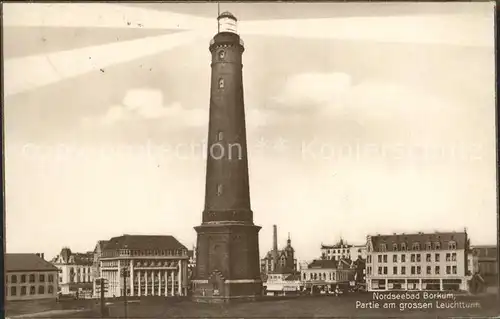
x=222, y=54
x=221, y=83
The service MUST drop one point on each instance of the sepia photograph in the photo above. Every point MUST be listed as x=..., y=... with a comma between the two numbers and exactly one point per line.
x=250, y=160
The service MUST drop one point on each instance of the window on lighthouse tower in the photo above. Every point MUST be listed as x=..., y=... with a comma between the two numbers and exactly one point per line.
x=221, y=83
x=219, y=189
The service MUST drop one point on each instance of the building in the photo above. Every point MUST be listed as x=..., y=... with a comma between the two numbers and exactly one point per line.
x=487, y=263
x=227, y=261
x=431, y=261
x=96, y=266
x=153, y=266
x=343, y=250
x=29, y=277
x=324, y=276
x=279, y=269
x=281, y=284
x=75, y=273
x=279, y=261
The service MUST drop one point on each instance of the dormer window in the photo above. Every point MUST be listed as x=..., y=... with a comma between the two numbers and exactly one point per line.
x=221, y=83
x=415, y=246
x=437, y=245
x=428, y=246
x=395, y=247
x=452, y=245
x=383, y=247
x=403, y=246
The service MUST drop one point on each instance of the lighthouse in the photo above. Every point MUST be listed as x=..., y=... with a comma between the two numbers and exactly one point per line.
x=227, y=261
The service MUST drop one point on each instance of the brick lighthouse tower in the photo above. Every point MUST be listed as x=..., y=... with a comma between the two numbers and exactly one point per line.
x=227, y=255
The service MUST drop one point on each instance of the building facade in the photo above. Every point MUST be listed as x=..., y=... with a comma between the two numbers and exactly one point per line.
x=279, y=260
x=343, y=250
x=487, y=263
x=75, y=273
x=29, y=277
x=96, y=266
x=324, y=276
x=280, y=284
x=227, y=261
x=151, y=266
x=432, y=261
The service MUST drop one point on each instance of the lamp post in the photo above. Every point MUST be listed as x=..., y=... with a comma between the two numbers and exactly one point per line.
x=125, y=272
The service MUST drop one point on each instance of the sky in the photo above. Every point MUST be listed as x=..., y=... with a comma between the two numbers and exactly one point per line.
x=362, y=118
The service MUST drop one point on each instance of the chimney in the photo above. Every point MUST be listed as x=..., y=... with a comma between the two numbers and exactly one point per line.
x=275, y=238
x=43, y=256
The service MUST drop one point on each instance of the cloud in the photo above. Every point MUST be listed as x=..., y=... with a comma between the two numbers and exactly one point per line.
x=148, y=104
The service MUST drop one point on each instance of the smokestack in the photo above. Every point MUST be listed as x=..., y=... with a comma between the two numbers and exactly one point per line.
x=275, y=238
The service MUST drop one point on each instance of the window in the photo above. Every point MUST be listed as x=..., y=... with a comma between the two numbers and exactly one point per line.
x=51, y=289
x=32, y=278
x=60, y=279
x=385, y=258
x=23, y=291
x=415, y=246
x=369, y=259
x=41, y=290
x=379, y=258
x=222, y=54
x=454, y=270
x=13, y=279
x=220, y=136
x=428, y=270
x=413, y=270
x=403, y=246
x=385, y=270
x=41, y=278
x=403, y=258
x=452, y=245
x=221, y=83
x=448, y=257
x=51, y=278
x=383, y=247
x=403, y=270
x=428, y=246
x=32, y=290
x=418, y=258
x=395, y=270
x=13, y=291
x=437, y=245
x=412, y=257
x=394, y=258
x=436, y=270
x=219, y=189
x=436, y=257
x=454, y=256
x=448, y=270
x=395, y=247
x=428, y=258
x=23, y=279
x=418, y=270
x=380, y=270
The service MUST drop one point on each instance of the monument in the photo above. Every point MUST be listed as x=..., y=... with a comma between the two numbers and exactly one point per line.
x=227, y=254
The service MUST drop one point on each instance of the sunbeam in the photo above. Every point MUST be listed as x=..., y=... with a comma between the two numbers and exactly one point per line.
x=462, y=30
x=31, y=72
x=97, y=15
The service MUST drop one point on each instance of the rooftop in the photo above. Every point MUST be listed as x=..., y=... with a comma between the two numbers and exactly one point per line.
x=27, y=262
x=143, y=242
x=443, y=238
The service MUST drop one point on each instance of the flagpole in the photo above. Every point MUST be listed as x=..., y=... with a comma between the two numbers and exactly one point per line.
x=218, y=14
